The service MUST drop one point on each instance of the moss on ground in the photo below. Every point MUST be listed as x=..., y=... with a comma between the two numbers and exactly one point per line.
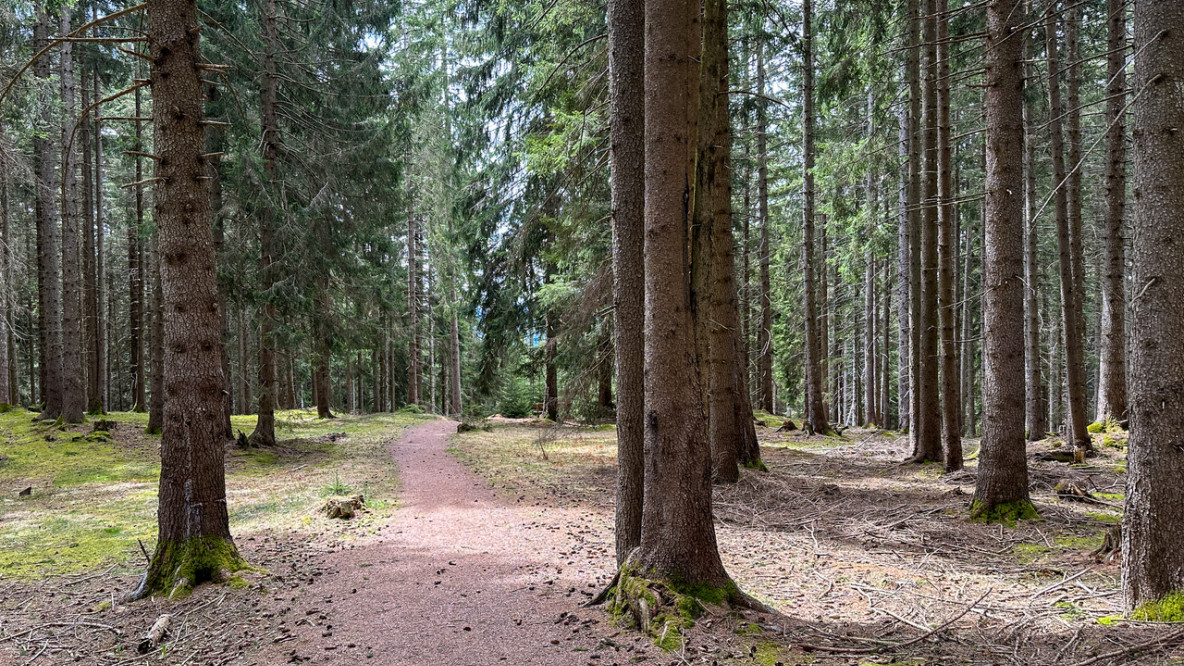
x=1168, y=609
x=94, y=494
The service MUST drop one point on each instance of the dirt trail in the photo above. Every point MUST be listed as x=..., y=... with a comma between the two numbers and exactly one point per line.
x=459, y=576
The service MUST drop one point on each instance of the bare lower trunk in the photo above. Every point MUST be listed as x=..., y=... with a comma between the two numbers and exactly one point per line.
x=626, y=50
x=1001, y=489
x=135, y=271
x=1112, y=369
x=49, y=298
x=1036, y=417
x=454, y=344
x=815, y=415
x=947, y=246
x=194, y=542
x=764, y=335
x=1152, y=560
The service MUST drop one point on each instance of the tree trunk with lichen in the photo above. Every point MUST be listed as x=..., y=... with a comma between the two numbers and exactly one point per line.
x=194, y=543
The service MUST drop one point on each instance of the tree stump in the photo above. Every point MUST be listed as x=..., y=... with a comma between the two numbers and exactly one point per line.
x=343, y=508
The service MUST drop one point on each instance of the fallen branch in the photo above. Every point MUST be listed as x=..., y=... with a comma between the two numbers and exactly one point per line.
x=897, y=646
x=1160, y=643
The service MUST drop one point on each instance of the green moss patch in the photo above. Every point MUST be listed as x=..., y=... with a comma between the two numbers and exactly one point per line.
x=1168, y=609
x=1006, y=513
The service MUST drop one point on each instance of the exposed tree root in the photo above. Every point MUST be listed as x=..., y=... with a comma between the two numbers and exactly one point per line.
x=179, y=566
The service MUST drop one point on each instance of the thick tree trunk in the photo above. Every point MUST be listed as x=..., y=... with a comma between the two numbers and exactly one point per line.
x=764, y=334
x=1112, y=370
x=815, y=415
x=73, y=379
x=677, y=533
x=1152, y=560
x=947, y=246
x=1001, y=489
x=1070, y=296
x=264, y=434
x=626, y=64
x=194, y=543
x=49, y=291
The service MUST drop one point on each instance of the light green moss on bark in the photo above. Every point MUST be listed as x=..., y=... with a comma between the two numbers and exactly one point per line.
x=1006, y=513
x=179, y=566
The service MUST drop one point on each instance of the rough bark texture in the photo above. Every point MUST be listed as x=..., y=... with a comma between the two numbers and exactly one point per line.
x=73, y=380
x=456, y=397
x=264, y=434
x=927, y=443
x=1035, y=416
x=100, y=367
x=913, y=76
x=8, y=388
x=626, y=64
x=135, y=280
x=1003, y=468
x=194, y=542
x=551, y=373
x=677, y=532
x=903, y=299
x=815, y=415
x=1152, y=560
x=1112, y=367
x=764, y=333
x=156, y=401
x=1070, y=295
x=947, y=247
x=49, y=291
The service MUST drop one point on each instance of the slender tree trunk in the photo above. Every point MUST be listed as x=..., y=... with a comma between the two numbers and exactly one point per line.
x=457, y=397
x=156, y=401
x=927, y=445
x=89, y=312
x=677, y=533
x=870, y=382
x=73, y=379
x=904, y=270
x=1070, y=297
x=947, y=242
x=413, y=344
x=101, y=366
x=1112, y=371
x=135, y=273
x=1002, y=484
x=8, y=385
x=215, y=144
x=264, y=434
x=764, y=336
x=916, y=148
x=49, y=300
x=815, y=408
x=322, y=356
x=828, y=345
x=626, y=52
x=1152, y=560
x=194, y=542
x=551, y=395
x=1035, y=419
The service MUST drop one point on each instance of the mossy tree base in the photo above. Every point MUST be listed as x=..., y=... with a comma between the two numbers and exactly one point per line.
x=664, y=609
x=179, y=566
x=1170, y=608
x=1007, y=513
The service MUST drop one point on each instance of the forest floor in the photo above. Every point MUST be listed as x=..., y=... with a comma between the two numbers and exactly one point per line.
x=487, y=562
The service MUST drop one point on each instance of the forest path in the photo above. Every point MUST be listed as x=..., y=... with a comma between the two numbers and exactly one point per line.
x=458, y=576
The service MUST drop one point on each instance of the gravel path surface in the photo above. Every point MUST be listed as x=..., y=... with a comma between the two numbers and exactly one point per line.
x=459, y=576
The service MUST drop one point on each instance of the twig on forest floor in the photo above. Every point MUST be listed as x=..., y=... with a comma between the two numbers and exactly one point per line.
x=898, y=646
x=1054, y=586
x=39, y=652
x=1159, y=643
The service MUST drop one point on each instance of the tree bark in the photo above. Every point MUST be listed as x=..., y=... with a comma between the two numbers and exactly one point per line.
x=455, y=407
x=264, y=434
x=764, y=334
x=1112, y=370
x=947, y=246
x=1002, y=481
x=904, y=271
x=815, y=415
x=1035, y=416
x=156, y=401
x=135, y=278
x=1070, y=296
x=677, y=532
x=413, y=342
x=916, y=148
x=73, y=380
x=927, y=444
x=194, y=542
x=1152, y=561
x=627, y=69
x=49, y=291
